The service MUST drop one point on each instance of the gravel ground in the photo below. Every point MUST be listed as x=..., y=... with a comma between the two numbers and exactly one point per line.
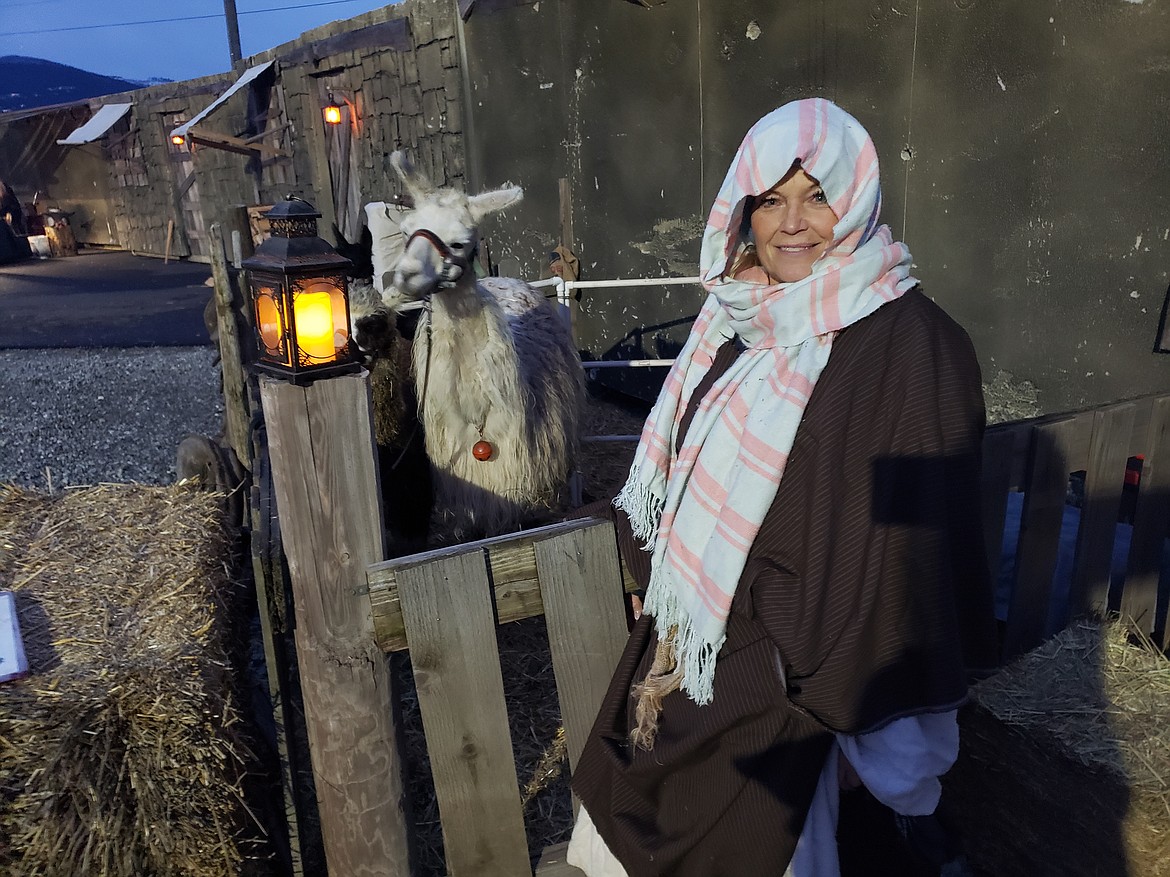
x=81, y=417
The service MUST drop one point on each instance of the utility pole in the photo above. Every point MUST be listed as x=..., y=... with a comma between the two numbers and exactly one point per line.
x=233, y=30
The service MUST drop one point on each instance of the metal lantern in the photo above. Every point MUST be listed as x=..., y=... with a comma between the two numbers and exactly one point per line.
x=300, y=307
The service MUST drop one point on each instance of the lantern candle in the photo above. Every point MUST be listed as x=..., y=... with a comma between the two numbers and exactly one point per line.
x=313, y=316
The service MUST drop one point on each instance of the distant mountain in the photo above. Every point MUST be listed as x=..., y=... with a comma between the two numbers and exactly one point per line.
x=32, y=82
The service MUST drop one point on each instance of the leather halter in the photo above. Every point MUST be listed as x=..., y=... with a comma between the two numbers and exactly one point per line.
x=453, y=265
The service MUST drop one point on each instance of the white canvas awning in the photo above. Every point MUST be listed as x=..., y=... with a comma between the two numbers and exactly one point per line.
x=102, y=121
x=245, y=78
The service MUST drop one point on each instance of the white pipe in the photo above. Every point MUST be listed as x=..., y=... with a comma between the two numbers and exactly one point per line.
x=641, y=281
x=626, y=363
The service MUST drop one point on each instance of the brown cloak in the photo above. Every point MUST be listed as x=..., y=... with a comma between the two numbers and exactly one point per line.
x=865, y=598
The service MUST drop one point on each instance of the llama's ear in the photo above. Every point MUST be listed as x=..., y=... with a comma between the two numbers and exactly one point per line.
x=490, y=202
x=416, y=182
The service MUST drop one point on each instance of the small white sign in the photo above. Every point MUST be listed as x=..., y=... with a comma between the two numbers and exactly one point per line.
x=13, y=663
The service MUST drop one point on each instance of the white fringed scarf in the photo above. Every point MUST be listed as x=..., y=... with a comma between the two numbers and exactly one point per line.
x=699, y=511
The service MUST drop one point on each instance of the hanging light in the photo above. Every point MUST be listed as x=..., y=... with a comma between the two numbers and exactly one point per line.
x=300, y=305
x=332, y=112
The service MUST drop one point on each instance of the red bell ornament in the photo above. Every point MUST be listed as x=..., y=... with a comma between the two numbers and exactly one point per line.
x=482, y=450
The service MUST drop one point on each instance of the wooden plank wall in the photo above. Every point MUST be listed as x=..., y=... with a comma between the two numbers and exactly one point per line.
x=1037, y=458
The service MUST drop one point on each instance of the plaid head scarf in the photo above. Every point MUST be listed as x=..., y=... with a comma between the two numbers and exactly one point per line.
x=699, y=510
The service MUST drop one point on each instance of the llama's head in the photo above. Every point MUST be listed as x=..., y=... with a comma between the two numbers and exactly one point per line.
x=441, y=231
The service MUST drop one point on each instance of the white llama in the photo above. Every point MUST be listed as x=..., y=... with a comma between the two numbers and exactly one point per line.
x=497, y=376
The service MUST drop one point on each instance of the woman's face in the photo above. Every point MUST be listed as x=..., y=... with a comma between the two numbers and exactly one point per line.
x=792, y=224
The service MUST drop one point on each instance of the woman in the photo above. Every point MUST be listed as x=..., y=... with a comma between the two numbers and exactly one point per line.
x=806, y=487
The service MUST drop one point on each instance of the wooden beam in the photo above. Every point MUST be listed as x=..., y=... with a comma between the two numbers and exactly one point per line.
x=511, y=561
x=321, y=442
x=393, y=35
x=215, y=140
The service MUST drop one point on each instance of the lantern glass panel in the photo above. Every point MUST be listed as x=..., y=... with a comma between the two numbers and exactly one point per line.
x=270, y=320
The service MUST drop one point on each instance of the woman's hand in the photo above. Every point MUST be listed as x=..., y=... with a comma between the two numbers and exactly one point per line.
x=636, y=606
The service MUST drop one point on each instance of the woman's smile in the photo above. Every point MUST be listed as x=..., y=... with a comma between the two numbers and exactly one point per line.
x=792, y=225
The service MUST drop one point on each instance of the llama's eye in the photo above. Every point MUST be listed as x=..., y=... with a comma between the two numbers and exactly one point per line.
x=457, y=246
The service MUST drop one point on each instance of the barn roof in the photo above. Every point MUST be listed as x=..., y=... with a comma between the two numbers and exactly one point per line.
x=97, y=126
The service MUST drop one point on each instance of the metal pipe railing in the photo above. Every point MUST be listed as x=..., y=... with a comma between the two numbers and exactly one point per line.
x=564, y=290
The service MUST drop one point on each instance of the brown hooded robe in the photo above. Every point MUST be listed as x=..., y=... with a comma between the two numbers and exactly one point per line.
x=865, y=598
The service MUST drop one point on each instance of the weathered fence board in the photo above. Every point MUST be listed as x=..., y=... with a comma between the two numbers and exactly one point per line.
x=446, y=603
x=1046, y=489
x=235, y=391
x=511, y=562
x=580, y=582
x=1150, y=525
x=1104, y=477
x=998, y=458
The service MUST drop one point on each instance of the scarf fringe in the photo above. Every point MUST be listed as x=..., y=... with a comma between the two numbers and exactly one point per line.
x=692, y=651
x=642, y=506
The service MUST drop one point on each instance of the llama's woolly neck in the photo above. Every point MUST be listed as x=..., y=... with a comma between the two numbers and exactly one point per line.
x=465, y=323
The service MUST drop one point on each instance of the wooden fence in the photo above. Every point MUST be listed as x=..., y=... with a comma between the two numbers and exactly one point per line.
x=444, y=606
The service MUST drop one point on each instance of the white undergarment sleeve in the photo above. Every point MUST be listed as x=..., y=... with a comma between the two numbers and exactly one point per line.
x=901, y=763
x=588, y=851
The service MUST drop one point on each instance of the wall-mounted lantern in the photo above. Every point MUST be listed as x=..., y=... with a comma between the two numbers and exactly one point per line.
x=300, y=308
x=178, y=139
x=332, y=112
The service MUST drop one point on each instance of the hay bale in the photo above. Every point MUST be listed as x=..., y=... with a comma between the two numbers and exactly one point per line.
x=122, y=752
x=1065, y=761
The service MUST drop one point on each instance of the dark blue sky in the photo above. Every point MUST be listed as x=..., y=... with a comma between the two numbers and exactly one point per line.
x=185, y=49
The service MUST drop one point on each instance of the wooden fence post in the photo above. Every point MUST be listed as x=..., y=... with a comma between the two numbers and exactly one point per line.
x=321, y=447
x=237, y=420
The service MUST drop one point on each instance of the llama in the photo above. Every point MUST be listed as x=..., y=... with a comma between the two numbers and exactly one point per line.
x=496, y=372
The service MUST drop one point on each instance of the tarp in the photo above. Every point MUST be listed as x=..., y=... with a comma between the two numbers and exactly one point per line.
x=102, y=121
x=245, y=78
